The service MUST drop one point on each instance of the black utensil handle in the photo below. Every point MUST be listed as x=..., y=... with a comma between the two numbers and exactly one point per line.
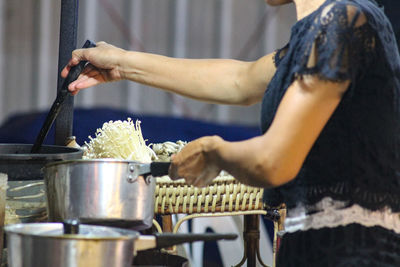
x=76, y=70
x=51, y=116
x=159, y=168
x=169, y=239
x=61, y=95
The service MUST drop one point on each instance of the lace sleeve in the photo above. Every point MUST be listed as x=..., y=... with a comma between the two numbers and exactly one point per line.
x=339, y=44
x=279, y=54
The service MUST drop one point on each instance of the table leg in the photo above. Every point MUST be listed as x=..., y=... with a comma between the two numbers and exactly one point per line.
x=251, y=236
x=167, y=226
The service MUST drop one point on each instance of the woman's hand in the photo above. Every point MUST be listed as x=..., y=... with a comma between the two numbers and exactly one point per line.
x=198, y=161
x=104, y=60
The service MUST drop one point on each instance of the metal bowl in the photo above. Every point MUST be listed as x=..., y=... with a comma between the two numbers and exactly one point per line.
x=19, y=164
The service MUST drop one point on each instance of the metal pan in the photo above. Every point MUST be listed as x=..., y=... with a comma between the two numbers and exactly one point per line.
x=112, y=192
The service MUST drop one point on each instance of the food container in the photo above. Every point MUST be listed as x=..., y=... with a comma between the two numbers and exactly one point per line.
x=99, y=191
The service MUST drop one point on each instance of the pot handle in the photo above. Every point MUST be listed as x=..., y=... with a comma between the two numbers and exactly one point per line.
x=169, y=239
x=71, y=227
x=159, y=168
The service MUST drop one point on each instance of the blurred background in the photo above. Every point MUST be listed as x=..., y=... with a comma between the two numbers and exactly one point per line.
x=29, y=32
x=238, y=29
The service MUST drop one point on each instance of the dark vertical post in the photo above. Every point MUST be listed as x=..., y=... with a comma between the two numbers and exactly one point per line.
x=68, y=35
x=167, y=226
x=251, y=236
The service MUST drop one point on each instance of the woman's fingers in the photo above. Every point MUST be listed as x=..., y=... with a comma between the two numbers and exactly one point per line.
x=90, y=76
x=102, y=59
x=78, y=55
x=193, y=165
x=72, y=62
x=84, y=82
x=205, y=178
x=101, y=43
x=209, y=174
x=173, y=169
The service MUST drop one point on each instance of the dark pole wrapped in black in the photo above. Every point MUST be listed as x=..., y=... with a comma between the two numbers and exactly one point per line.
x=68, y=36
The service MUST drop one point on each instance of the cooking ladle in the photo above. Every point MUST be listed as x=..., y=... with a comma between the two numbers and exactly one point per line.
x=58, y=103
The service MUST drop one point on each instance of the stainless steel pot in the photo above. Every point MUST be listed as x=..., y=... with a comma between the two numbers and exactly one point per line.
x=100, y=191
x=46, y=245
x=71, y=244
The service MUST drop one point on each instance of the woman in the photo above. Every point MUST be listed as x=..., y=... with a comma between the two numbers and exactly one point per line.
x=330, y=119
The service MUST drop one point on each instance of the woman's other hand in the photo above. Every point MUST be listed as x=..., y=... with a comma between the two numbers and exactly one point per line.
x=104, y=65
x=197, y=162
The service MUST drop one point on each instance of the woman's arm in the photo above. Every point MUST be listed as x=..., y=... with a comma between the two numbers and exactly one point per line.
x=212, y=80
x=274, y=158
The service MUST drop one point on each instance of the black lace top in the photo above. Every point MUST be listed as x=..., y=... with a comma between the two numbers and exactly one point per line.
x=356, y=157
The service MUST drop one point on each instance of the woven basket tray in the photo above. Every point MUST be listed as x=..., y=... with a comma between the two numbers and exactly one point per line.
x=224, y=194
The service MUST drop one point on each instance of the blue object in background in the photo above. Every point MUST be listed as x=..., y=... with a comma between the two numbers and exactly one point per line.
x=24, y=127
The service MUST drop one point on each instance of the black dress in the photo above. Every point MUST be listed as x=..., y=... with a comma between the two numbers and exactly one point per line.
x=356, y=158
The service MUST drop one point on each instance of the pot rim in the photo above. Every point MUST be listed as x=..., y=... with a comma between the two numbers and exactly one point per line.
x=20, y=230
x=64, y=151
x=102, y=160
